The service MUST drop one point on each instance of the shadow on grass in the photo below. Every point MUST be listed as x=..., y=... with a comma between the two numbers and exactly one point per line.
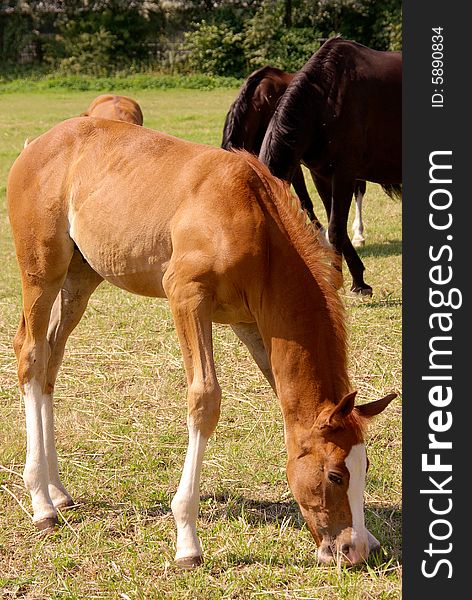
x=386, y=248
x=383, y=520
x=254, y=512
x=100, y=509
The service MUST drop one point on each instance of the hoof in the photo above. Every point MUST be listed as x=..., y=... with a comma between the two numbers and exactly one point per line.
x=189, y=562
x=358, y=243
x=362, y=290
x=64, y=505
x=46, y=524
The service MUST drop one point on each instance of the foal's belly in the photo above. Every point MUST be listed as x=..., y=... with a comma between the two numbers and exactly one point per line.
x=131, y=256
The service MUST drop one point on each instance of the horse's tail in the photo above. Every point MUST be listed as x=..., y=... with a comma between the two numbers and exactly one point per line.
x=394, y=190
x=234, y=127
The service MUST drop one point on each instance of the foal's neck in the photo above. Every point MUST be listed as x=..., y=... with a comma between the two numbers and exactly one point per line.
x=303, y=333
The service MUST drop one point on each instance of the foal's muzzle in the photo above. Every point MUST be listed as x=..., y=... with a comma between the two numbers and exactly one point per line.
x=348, y=548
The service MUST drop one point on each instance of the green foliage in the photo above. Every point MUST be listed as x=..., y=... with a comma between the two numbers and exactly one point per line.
x=388, y=26
x=268, y=41
x=90, y=53
x=99, y=42
x=374, y=23
x=16, y=32
x=216, y=37
x=215, y=49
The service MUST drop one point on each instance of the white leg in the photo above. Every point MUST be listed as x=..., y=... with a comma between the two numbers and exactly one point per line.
x=186, y=501
x=58, y=493
x=358, y=239
x=36, y=473
x=191, y=308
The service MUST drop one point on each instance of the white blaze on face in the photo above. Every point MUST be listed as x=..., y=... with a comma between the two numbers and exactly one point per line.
x=356, y=463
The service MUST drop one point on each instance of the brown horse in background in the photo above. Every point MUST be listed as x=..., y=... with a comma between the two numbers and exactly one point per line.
x=246, y=125
x=118, y=108
x=108, y=106
x=341, y=117
x=220, y=238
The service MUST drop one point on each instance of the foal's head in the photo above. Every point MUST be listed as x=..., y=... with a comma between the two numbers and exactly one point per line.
x=327, y=479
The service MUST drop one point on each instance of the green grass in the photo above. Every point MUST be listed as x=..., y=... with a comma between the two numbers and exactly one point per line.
x=121, y=435
x=139, y=81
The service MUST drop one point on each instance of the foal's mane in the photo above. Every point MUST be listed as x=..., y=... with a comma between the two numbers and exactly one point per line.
x=315, y=254
x=233, y=130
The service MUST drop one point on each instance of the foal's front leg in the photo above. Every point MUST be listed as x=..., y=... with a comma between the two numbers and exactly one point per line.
x=192, y=317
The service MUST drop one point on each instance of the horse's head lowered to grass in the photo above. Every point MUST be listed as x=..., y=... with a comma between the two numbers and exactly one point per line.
x=327, y=479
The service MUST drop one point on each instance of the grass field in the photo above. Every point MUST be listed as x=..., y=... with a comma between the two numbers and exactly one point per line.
x=121, y=434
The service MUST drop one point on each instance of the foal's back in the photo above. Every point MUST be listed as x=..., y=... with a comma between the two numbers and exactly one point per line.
x=132, y=199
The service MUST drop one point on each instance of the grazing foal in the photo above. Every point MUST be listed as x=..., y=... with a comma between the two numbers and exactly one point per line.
x=118, y=108
x=222, y=240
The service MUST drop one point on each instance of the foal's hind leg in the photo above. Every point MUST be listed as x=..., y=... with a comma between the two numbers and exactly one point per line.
x=250, y=335
x=39, y=345
x=43, y=269
x=191, y=309
x=67, y=311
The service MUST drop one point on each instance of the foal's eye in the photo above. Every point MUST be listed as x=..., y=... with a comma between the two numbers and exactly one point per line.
x=335, y=478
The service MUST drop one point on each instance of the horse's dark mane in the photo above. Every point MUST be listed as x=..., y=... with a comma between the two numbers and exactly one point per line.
x=234, y=127
x=310, y=92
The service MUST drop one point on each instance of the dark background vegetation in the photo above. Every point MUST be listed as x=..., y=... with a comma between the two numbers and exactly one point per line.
x=214, y=37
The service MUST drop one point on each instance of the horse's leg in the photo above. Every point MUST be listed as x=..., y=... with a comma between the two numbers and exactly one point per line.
x=191, y=309
x=342, y=195
x=358, y=239
x=66, y=313
x=299, y=185
x=325, y=190
x=250, y=335
x=43, y=267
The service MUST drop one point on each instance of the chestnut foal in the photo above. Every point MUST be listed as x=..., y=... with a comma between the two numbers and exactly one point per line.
x=223, y=241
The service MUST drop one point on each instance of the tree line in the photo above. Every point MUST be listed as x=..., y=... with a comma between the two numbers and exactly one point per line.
x=216, y=37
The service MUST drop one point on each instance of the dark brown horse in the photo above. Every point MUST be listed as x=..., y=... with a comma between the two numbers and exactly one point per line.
x=246, y=125
x=250, y=114
x=341, y=117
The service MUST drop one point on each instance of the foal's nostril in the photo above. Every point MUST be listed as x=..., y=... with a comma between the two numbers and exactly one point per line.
x=345, y=549
x=325, y=554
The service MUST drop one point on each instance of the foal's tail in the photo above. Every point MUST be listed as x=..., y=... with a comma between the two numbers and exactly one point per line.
x=394, y=190
x=233, y=130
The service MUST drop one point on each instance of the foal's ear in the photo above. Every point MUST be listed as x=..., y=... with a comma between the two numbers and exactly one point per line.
x=341, y=410
x=371, y=409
